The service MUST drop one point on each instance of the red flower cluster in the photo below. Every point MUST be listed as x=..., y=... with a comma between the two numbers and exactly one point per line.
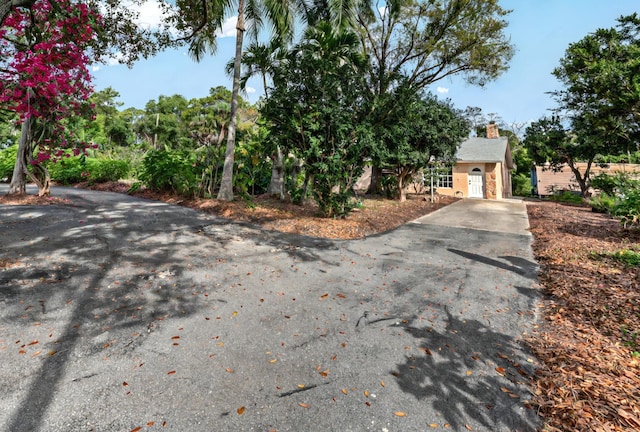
x=44, y=70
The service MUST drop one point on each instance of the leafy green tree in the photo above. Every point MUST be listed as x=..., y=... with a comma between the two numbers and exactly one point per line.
x=208, y=120
x=549, y=141
x=419, y=42
x=601, y=79
x=423, y=129
x=201, y=19
x=109, y=127
x=316, y=110
x=426, y=41
x=262, y=59
x=8, y=131
x=162, y=123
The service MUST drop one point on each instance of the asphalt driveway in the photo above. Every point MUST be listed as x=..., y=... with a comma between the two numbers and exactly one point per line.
x=118, y=313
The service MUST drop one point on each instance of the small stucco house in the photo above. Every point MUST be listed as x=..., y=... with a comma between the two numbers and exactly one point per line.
x=482, y=169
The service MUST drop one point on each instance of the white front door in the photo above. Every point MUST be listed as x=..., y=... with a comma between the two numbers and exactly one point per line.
x=476, y=183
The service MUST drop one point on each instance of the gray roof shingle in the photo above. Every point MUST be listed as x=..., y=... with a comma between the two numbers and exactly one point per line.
x=483, y=150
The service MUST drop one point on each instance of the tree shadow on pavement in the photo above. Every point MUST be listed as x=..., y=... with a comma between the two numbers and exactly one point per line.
x=518, y=265
x=98, y=290
x=472, y=374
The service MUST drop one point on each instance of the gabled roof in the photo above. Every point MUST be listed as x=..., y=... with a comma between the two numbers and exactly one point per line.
x=485, y=150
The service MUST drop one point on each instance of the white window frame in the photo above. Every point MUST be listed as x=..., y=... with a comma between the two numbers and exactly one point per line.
x=445, y=181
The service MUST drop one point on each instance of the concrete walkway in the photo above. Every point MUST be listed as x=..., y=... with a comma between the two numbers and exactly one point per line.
x=506, y=216
x=121, y=314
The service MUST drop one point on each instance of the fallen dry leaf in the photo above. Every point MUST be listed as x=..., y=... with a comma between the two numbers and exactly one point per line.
x=240, y=410
x=399, y=414
x=303, y=405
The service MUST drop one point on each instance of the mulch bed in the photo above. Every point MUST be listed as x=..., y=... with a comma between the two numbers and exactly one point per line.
x=590, y=379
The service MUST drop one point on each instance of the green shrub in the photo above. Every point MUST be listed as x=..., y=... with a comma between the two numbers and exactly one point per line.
x=611, y=184
x=69, y=170
x=627, y=206
x=79, y=169
x=389, y=186
x=521, y=185
x=170, y=170
x=7, y=162
x=602, y=203
x=566, y=197
x=105, y=170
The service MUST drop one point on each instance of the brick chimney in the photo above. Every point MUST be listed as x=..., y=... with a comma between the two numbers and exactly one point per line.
x=492, y=130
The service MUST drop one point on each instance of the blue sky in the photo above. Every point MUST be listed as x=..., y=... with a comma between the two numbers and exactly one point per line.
x=541, y=31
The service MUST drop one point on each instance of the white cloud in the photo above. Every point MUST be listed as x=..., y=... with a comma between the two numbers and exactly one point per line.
x=228, y=28
x=442, y=90
x=95, y=68
x=150, y=14
x=382, y=11
x=249, y=89
x=115, y=59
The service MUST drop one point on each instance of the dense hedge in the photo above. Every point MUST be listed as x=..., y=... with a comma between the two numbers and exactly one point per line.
x=78, y=169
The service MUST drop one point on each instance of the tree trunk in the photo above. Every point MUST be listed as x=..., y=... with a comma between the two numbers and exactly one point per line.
x=376, y=178
x=276, y=186
x=401, y=176
x=24, y=159
x=305, y=189
x=583, y=180
x=226, y=183
x=18, y=185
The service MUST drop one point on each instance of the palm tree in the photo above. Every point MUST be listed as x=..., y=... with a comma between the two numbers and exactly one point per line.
x=205, y=17
x=262, y=59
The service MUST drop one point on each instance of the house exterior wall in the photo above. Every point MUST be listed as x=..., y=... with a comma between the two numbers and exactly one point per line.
x=460, y=172
x=506, y=182
x=492, y=181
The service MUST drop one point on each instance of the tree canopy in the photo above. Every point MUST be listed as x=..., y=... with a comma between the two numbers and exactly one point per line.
x=601, y=79
x=423, y=129
x=316, y=110
x=598, y=109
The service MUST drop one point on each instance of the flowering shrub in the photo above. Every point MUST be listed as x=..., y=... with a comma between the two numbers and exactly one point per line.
x=44, y=76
